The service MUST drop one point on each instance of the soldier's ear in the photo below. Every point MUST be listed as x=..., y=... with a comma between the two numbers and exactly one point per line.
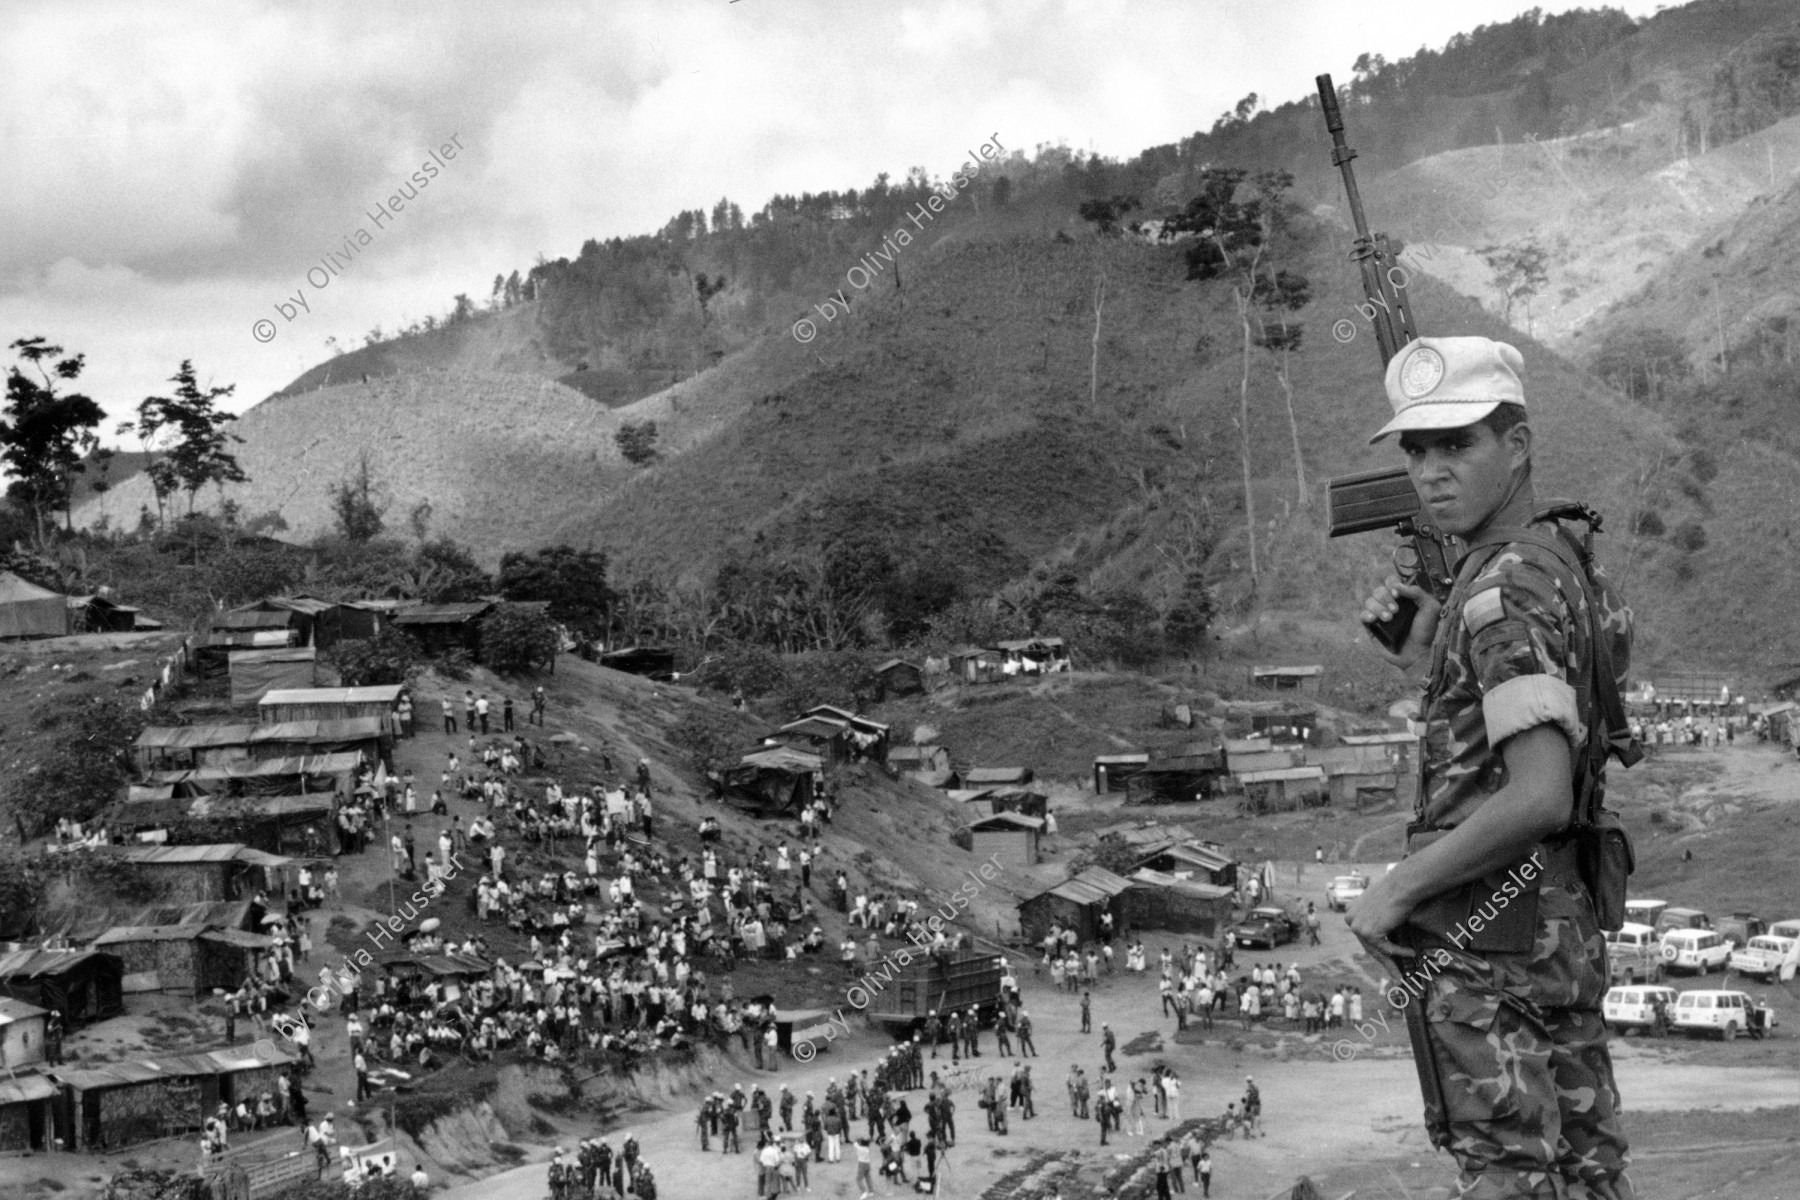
x=1518, y=441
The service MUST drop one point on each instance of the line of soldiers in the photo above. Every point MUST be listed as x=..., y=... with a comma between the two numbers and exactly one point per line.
x=596, y=1171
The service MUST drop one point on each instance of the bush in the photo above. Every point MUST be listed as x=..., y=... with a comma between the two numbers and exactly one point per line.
x=752, y=670
x=81, y=765
x=388, y=657
x=713, y=740
x=1690, y=536
x=637, y=442
x=1650, y=523
x=515, y=639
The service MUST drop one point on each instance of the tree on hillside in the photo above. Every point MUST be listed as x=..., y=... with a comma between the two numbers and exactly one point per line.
x=45, y=435
x=1639, y=361
x=1107, y=215
x=515, y=639
x=637, y=442
x=1186, y=622
x=705, y=289
x=1520, y=273
x=359, y=503
x=1231, y=235
x=198, y=453
x=573, y=581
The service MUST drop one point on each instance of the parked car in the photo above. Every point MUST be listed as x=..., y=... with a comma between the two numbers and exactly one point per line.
x=1762, y=957
x=1725, y=1013
x=1633, y=954
x=1342, y=890
x=1636, y=1008
x=1681, y=918
x=1740, y=927
x=1788, y=928
x=1644, y=912
x=1696, y=950
x=1267, y=926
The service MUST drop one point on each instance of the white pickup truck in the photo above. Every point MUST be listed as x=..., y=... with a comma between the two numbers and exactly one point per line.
x=1762, y=957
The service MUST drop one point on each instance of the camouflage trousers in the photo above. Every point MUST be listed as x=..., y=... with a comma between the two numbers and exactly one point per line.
x=1520, y=1048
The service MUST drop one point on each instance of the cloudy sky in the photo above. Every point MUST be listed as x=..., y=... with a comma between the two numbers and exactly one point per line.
x=175, y=169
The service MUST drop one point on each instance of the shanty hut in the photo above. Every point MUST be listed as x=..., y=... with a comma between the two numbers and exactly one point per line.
x=919, y=759
x=440, y=628
x=257, y=672
x=97, y=614
x=1033, y=656
x=827, y=738
x=89, y=924
x=1159, y=901
x=1008, y=835
x=977, y=664
x=184, y=747
x=1113, y=772
x=1027, y=802
x=1293, y=725
x=227, y=871
x=28, y=1106
x=1305, y=680
x=82, y=985
x=897, y=677
x=122, y=1104
x=300, y=773
x=1365, y=763
x=321, y=624
x=331, y=704
x=244, y=1075
x=1184, y=858
x=868, y=739
x=1283, y=789
x=1185, y=773
x=21, y=1034
x=370, y=737
x=186, y=960
x=254, y=629
x=774, y=781
x=27, y=610
x=1075, y=903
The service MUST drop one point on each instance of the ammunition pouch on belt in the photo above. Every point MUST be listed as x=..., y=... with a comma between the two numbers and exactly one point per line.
x=1606, y=860
x=1503, y=903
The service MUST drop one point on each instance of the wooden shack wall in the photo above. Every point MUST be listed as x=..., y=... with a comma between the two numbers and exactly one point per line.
x=1016, y=846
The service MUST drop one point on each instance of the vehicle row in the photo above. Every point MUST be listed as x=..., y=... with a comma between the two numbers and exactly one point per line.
x=1657, y=1009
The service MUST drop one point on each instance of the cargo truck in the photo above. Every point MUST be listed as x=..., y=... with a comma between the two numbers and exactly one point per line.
x=902, y=997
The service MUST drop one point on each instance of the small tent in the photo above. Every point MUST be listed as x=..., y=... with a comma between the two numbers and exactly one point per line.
x=27, y=610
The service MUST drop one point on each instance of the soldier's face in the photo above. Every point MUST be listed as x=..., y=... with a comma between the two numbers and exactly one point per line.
x=1463, y=475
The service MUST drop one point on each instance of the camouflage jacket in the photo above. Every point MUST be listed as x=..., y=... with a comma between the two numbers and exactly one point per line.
x=1513, y=651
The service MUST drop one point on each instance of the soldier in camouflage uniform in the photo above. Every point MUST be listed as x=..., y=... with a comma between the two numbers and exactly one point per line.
x=1505, y=952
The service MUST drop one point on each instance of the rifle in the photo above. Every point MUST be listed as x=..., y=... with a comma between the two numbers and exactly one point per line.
x=1379, y=500
x=1383, y=499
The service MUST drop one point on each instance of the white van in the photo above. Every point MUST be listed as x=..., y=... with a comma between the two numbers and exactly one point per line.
x=1696, y=950
x=1635, y=1007
x=1725, y=1013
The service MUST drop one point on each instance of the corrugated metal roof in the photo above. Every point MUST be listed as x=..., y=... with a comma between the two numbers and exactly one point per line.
x=1206, y=891
x=252, y=768
x=342, y=729
x=1399, y=737
x=1199, y=856
x=240, y=938
x=271, y=1054
x=831, y=710
x=1298, y=671
x=1006, y=821
x=816, y=727
x=258, y=806
x=218, y=852
x=1120, y=760
x=254, y=619
x=442, y=614
x=34, y=963
x=149, y=933
x=26, y=1088
x=997, y=775
x=1044, y=643
x=389, y=692
x=1092, y=886
x=193, y=737
x=17, y=1010
x=110, y=1075
x=250, y=656
x=310, y=605
x=967, y=795
x=783, y=758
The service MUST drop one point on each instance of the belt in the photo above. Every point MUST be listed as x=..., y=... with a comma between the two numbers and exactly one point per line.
x=1557, y=857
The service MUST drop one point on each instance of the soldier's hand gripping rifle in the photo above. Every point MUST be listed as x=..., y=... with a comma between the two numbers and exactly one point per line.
x=1383, y=499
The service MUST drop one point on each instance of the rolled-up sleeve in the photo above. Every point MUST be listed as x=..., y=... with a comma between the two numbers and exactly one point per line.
x=1519, y=623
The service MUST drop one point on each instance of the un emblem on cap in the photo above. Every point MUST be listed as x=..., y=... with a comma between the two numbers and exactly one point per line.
x=1422, y=371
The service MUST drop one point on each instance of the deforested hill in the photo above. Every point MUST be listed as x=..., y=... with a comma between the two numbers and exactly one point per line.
x=1014, y=391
